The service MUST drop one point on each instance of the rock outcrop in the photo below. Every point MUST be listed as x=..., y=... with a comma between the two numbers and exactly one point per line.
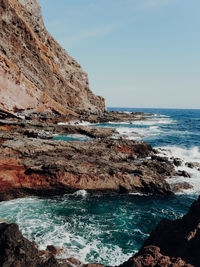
x=36, y=73
x=32, y=163
x=171, y=244
x=31, y=166
x=179, y=238
x=151, y=257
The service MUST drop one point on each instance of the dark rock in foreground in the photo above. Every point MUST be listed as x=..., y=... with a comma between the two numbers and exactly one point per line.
x=171, y=244
x=179, y=238
x=151, y=256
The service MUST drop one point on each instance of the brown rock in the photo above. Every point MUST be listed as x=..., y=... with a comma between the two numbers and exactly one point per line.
x=39, y=167
x=179, y=238
x=150, y=256
x=36, y=73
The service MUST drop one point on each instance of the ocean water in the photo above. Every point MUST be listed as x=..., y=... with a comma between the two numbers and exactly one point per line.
x=110, y=229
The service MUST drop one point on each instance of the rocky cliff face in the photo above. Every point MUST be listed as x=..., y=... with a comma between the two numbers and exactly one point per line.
x=36, y=73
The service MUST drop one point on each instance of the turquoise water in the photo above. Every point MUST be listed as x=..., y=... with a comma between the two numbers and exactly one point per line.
x=71, y=137
x=109, y=230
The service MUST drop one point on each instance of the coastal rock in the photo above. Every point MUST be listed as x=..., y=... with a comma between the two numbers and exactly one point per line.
x=184, y=174
x=177, y=162
x=31, y=166
x=15, y=250
x=193, y=165
x=179, y=238
x=150, y=256
x=36, y=73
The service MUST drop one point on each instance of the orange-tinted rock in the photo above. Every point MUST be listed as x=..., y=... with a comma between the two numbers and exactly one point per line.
x=151, y=257
x=36, y=73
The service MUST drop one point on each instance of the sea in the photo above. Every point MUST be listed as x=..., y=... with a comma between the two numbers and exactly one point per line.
x=111, y=229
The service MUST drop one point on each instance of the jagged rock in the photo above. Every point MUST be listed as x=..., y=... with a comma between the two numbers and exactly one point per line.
x=177, y=162
x=31, y=166
x=192, y=165
x=179, y=238
x=184, y=174
x=150, y=256
x=36, y=73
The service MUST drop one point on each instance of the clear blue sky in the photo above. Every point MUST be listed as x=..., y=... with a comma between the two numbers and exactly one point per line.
x=137, y=53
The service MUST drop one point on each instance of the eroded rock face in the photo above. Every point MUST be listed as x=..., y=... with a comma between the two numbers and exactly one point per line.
x=150, y=256
x=179, y=238
x=36, y=73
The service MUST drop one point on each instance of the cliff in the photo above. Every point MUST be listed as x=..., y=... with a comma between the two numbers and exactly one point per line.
x=36, y=73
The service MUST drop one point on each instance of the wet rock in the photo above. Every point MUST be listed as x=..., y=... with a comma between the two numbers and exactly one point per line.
x=15, y=250
x=179, y=238
x=177, y=187
x=193, y=165
x=184, y=174
x=177, y=162
x=151, y=256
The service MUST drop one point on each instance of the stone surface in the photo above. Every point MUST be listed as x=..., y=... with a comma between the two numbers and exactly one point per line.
x=36, y=73
x=171, y=244
x=179, y=238
x=31, y=164
x=151, y=257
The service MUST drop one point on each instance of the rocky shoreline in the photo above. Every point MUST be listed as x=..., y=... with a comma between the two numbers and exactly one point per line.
x=45, y=93
x=32, y=163
x=171, y=244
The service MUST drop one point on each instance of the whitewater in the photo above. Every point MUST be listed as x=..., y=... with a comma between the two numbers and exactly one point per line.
x=110, y=229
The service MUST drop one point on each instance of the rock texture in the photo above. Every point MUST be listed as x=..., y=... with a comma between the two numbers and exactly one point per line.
x=17, y=251
x=36, y=73
x=40, y=167
x=151, y=257
x=171, y=244
x=179, y=238
x=33, y=164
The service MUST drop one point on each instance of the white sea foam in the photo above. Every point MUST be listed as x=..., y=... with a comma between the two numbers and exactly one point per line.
x=186, y=155
x=137, y=133
x=45, y=229
x=76, y=122
x=82, y=193
x=154, y=121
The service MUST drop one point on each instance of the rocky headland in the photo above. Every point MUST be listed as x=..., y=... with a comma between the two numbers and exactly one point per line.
x=44, y=93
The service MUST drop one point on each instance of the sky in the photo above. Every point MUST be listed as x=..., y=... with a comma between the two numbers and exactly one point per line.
x=137, y=53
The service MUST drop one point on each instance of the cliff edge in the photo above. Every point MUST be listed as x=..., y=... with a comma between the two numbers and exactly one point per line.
x=36, y=73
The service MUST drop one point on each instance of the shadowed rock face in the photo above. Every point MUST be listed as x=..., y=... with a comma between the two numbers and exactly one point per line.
x=171, y=244
x=36, y=73
x=179, y=238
